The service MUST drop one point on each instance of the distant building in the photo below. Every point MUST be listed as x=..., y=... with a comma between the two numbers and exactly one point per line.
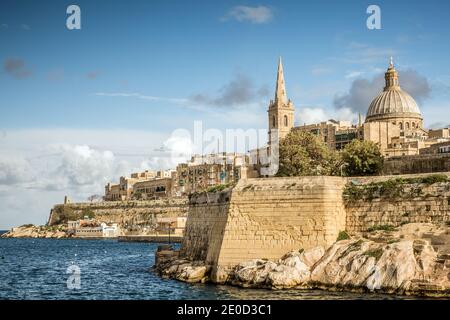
x=152, y=189
x=335, y=134
x=173, y=225
x=90, y=228
x=202, y=172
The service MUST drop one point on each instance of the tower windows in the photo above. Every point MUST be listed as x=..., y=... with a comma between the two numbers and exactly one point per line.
x=401, y=125
x=285, y=121
x=273, y=122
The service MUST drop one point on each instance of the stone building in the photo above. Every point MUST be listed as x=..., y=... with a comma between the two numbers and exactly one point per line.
x=336, y=134
x=152, y=189
x=204, y=171
x=393, y=121
x=124, y=189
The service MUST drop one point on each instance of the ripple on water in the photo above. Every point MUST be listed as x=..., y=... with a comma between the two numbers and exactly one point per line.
x=36, y=269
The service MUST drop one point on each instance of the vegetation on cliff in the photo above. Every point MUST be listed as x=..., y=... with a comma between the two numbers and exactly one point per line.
x=63, y=214
x=392, y=188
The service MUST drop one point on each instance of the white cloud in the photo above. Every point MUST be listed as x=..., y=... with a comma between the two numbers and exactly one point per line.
x=14, y=169
x=353, y=74
x=140, y=96
x=257, y=15
x=310, y=115
x=38, y=167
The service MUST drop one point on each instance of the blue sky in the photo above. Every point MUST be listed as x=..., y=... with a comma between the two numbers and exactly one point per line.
x=138, y=70
x=175, y=49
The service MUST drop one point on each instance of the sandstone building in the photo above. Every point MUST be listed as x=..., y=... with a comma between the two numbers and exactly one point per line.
x=393, y=121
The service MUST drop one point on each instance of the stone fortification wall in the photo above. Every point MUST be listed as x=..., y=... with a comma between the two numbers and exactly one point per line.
x=263, y=218
x=126, y=213
x=429, y=163
x=396, y=203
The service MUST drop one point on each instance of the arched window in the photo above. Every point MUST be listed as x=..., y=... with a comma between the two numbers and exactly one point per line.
x=413, y=124
x=401, y=125
x=273, y=122
x=407, y=125
x=285, y=121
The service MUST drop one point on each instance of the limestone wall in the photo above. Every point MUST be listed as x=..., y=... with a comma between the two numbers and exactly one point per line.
x=417, y=164
x=205, y=226
x=126, y=213
x=417, y=203
x=264, y=218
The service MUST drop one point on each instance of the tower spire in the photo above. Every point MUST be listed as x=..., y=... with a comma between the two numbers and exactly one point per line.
x=280, y=91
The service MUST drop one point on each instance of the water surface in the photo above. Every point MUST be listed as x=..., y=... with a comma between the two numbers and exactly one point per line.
x=36, y=269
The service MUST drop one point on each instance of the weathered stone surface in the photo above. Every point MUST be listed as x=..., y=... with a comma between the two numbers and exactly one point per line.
x=284, y=276
x=130, y=215
x=32, y=231
x=191, y=273
x=407, y=265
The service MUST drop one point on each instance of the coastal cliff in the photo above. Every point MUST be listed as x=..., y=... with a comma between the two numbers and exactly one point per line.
x=133, y=217
x=131, y=213
x=412, y=260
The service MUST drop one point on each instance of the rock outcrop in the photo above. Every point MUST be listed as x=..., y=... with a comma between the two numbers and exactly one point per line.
x=32, y=231
x=407, y=261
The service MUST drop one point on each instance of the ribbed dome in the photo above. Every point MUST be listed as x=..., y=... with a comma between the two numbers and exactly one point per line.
x=393, y=102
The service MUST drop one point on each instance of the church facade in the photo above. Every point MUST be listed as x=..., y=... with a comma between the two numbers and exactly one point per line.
x=393, y=121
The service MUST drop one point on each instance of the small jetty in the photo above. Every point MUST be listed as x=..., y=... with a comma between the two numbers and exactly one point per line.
x=157, y=238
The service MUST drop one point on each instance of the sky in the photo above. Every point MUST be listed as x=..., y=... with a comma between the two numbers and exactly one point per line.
x=79, y=108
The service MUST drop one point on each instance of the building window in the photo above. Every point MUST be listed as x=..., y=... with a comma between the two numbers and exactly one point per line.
x=273, y=121
x=401, y=126
x=285, y=121
x=407, y=125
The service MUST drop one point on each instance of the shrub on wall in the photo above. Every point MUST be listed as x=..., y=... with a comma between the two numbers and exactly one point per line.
x=362, y=158
x=391, y=189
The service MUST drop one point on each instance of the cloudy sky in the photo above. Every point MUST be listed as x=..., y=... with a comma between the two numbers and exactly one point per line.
x=82, y=107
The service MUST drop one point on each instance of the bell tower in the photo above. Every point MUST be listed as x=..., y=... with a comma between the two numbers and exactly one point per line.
x=281, y=110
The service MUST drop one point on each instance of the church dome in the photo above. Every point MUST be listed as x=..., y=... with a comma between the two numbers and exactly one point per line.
x=393, y=102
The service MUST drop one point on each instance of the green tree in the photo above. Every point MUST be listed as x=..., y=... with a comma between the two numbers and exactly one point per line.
x=304, y=154
x=362, y=158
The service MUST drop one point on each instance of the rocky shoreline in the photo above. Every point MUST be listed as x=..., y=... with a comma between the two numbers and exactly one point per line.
x=413, y=259
x=32, y=231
